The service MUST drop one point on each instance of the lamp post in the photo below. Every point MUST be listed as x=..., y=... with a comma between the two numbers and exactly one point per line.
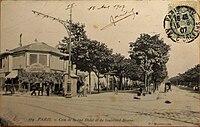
x=68, y=28
x=68, y=94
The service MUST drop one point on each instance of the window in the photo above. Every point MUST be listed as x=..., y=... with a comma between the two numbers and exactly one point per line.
x=43, y=59
x=33, y=58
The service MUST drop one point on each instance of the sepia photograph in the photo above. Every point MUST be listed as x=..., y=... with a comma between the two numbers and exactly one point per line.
x=100, y=63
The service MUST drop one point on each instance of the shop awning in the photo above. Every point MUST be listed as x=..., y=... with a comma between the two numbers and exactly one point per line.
x=12, y=74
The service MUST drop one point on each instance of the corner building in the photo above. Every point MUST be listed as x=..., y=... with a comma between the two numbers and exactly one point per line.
x=36, y=63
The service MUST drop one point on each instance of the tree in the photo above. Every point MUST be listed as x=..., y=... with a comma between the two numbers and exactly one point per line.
x=101, y=58
x=36, y=77
x=151, y=54
x=190, y=76
x=132, y=70
x=91, y=55
x=79, y=47
x=78, y=34
x=83, y=57
x=88, y=55
x=125, y=68
x=117, y=66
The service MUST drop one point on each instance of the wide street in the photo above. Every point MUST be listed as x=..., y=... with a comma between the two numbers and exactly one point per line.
x=103, y=109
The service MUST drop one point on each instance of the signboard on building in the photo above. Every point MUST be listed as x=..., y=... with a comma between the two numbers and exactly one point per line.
x=37, y=68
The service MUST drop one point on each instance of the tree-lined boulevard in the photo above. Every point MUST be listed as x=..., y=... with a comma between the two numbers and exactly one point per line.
x=147, y=63
x=136, y=90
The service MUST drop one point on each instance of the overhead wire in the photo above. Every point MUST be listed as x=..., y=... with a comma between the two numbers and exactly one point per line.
x=12, y=27
x=32, y=19
x=29, y=20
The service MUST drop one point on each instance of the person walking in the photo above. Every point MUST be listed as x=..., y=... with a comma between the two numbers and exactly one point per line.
x=116, y=90
x=169, y=86
x=40, y=89
x=165, y=89
x=33, y=90
x=140, y=91
x=47, y=89
x=85, y=90
x=80, y=92
x=9, y=88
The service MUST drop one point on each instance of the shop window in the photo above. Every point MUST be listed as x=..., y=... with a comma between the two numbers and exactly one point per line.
x=43, y=59
x=33, y=58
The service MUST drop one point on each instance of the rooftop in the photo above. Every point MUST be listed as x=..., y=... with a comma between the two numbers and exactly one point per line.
x=37, y=46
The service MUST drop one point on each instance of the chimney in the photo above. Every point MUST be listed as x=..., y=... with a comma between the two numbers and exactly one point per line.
x=20, y=41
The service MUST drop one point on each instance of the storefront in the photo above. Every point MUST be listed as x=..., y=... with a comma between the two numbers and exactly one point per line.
x=34, y=64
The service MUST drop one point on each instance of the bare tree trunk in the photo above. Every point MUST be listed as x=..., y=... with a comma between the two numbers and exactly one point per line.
x=148, y=84
x=98, y=82
x=145, y=81
x=121, y=82
x=90, y=82
x=125, y=85
x=107, y=82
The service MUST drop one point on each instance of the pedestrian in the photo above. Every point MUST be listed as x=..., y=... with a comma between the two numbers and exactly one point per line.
x=140, y=91
x=169, y=86
x=116, y=90
x=165, y=89
x=47, y=89
x=80, y=92
x=9, y=88
x=40, y=89
x=85, y=90
x=33, y=90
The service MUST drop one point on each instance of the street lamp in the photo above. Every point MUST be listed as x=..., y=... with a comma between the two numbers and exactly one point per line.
x=69, y=94
x=64, y=23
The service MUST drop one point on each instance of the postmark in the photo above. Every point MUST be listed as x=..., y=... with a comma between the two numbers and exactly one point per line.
x=182, y=24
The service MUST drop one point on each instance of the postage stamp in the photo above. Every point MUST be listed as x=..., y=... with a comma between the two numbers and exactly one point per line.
x=182, y=24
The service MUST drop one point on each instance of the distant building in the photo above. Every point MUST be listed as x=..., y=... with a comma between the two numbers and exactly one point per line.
x=106, y=82
x=38, y=60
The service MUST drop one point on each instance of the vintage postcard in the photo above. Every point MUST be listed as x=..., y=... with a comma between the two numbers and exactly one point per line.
x=100, y=63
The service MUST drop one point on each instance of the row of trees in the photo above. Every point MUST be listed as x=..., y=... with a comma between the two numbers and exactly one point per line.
x=151, y=55
x=191, y=77
x=147, y=62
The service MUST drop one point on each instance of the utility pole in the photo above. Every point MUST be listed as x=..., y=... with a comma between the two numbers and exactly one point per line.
x=68, y=28
x=69, y=95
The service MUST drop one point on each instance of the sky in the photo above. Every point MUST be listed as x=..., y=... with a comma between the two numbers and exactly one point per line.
x=17, y=17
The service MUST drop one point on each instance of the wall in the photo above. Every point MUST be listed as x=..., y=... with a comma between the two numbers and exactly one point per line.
x=19, y=61
x=6, y=67
x=56, y=63
x=2, y=80
x=5, y=63
x=38, y=57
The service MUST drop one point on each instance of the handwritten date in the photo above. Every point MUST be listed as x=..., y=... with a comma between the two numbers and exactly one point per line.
x=121, y=10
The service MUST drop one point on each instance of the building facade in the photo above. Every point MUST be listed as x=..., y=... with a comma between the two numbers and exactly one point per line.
x=44, y=63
